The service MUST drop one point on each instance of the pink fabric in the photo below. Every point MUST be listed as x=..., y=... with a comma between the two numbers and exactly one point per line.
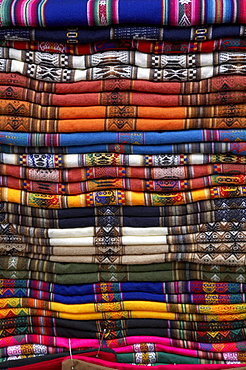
x=161, y=348
x=117, y=343
x=48, y=341
x=214, y=347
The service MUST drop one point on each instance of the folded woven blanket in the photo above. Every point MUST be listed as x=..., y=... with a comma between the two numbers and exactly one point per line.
x=224, y=219
x=176, y=172
x=142, y=32
x=145, y=46
x=97, y=13
x=136, y=138
x=213, y=84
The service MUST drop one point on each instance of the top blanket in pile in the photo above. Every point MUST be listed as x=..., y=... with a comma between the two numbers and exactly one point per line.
x=122, y=184
x=47, y=13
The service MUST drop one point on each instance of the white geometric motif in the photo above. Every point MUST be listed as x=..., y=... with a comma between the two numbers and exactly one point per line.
x=183, y=2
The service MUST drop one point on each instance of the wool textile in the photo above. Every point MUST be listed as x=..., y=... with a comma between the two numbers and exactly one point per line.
x=122, y=184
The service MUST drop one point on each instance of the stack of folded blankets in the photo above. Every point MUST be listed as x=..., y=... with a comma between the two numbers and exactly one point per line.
x=123, y=184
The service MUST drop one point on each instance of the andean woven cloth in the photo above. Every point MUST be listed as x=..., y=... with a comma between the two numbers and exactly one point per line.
x=54, y=74
x=81, y=174
x=123, y=57
x=133, y=341
x=107, y=211
x=137, y=138
x=223, y=150
x=95, y=13
x=118, y=197
x=160, y=163
x=214, y=84
x=145, y=46
x=142, y=32
x=75, y=273
x=226, y=220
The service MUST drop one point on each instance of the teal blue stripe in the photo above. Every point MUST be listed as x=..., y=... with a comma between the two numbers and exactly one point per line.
x=166, y=12
x=5, y=13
